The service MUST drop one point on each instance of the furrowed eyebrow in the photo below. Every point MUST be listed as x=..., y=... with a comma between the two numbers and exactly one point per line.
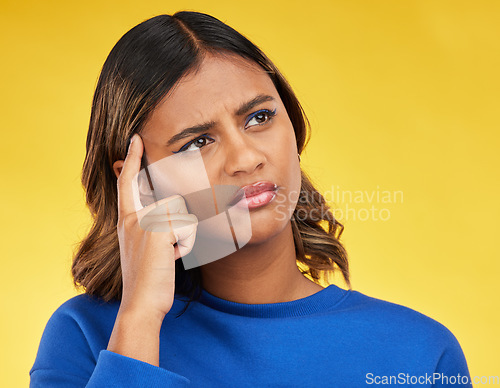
x=244, y=108
x=191, y=131
x=197, y=129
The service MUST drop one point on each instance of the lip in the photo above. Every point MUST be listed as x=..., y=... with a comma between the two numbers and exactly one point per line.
x=254, y=190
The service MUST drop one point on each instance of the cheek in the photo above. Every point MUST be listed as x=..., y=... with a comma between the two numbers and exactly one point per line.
x=281, y=141
x=295, y=181
x=287, y=161
x=290, y=157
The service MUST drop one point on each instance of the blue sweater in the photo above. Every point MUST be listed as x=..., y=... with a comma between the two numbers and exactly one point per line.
x=334, y=338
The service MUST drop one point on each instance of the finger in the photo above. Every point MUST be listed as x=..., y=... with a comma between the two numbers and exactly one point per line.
x=182, y=235
x=169, y=221
x=169, y=205
x=185, y=245
x=166, y=224
x=128, y=177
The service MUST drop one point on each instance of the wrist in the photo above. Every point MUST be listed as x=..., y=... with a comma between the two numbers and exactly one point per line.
x=136, y=334
x=140, y=318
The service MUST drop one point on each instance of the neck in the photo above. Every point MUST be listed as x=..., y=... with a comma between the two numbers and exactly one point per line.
x=259, y=273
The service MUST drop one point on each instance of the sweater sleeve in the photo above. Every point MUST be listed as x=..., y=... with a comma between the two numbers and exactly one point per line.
x=65, y=358
x=451, y=369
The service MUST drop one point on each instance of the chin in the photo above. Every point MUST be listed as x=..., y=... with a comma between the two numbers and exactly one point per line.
x=266, y=225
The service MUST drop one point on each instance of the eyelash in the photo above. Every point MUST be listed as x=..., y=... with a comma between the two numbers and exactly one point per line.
x=270, y=114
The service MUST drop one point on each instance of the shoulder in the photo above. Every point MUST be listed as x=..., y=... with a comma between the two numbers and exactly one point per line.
x=75, y=333
x=85, y=305
x=81, y=314
x=412, y=332
x=389, y=329
x=384, y=317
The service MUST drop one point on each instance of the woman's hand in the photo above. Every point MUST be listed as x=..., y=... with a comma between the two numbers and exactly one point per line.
x=147, y=238
x=148, y=251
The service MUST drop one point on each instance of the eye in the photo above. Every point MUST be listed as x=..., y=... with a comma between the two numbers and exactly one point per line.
x=260, y=117
x=197, y=143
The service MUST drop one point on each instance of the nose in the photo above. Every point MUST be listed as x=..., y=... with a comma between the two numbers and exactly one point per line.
x=242, y=154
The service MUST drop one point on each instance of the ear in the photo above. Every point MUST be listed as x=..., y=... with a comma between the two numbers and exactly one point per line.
x=117, y=167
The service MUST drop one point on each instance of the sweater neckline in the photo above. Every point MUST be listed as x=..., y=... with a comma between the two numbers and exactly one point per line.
x=320, y=301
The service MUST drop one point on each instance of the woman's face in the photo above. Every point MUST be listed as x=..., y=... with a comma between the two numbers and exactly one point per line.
x=250, y=137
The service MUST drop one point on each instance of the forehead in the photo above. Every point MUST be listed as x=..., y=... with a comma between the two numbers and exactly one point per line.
x=219, y=84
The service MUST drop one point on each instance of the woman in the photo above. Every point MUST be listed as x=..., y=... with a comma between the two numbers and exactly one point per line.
x=188, y=83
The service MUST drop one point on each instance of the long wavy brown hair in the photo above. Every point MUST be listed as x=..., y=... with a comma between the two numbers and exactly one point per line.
x=140, y=70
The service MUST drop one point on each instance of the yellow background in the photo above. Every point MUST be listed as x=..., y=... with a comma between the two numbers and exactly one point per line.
x=402, y=96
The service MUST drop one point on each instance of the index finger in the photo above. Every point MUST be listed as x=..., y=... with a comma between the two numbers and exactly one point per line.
x=127, y=180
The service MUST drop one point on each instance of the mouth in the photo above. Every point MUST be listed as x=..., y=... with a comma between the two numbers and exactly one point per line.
x=255, y=195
